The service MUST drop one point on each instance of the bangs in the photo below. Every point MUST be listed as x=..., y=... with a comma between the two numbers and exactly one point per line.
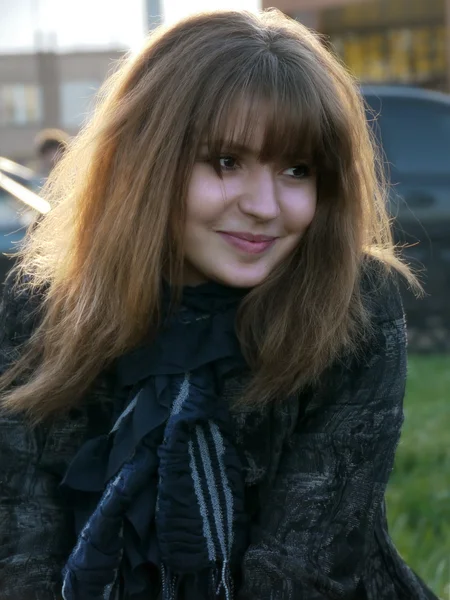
x=269, y=108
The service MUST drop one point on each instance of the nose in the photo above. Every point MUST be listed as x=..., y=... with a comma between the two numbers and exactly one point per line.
x=259, y=198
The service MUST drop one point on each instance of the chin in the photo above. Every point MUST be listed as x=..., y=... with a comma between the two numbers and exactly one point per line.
x=238, y=279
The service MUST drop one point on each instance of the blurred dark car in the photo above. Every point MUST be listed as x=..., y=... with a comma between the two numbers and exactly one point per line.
x=413, y=126
x=20, y=205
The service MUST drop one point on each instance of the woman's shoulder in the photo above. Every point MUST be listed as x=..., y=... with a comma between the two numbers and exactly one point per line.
x=19, y=312
x=18, y=309
x=370, y=374
x=380, y=290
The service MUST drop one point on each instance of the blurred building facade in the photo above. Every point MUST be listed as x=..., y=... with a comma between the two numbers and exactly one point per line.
x=47, y=89
x=383, y=41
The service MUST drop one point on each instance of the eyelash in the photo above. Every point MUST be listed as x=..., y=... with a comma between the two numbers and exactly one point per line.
x=220, y=168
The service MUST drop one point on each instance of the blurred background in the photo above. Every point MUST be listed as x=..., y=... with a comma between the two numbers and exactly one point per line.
x=54, y=56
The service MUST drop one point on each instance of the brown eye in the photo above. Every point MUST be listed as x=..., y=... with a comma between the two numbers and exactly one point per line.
x=298, y=172
x=227, y=163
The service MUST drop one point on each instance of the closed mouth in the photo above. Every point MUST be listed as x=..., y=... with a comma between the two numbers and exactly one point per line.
x=250, y=237
x=248, y=243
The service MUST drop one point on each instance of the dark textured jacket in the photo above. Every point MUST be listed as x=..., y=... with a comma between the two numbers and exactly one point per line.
x=316, y=471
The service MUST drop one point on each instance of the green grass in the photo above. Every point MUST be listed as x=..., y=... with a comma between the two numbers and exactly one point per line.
x=418, y=495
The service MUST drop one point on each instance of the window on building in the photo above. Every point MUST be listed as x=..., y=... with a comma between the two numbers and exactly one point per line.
x=402, y=55
x=20, y=104
x=399, y=52
x=392, y=41
x=439, y=45
x=77, y=101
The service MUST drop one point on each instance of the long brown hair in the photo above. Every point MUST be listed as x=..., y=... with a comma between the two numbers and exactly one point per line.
x=119, y=193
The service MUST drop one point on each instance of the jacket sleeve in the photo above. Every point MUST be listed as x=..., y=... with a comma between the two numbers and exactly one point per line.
x=33, y=524
x=317, y=519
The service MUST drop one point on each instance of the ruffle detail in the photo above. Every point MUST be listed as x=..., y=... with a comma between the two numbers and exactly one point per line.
x=164, y=489
x=124, y=471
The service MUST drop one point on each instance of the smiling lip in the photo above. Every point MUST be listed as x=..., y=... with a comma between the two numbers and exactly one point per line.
x=247, y=242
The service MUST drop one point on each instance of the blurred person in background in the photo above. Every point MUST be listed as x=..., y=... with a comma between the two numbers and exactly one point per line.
x=50, y=145
x=203, y=373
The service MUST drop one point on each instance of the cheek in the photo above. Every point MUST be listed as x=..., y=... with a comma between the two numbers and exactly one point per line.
x=206, y=196
x=299, y=208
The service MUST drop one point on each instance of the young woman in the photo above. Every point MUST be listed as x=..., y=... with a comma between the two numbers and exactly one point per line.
x=204, y=348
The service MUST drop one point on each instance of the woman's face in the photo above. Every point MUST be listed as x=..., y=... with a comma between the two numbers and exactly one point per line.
x=240, y=227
